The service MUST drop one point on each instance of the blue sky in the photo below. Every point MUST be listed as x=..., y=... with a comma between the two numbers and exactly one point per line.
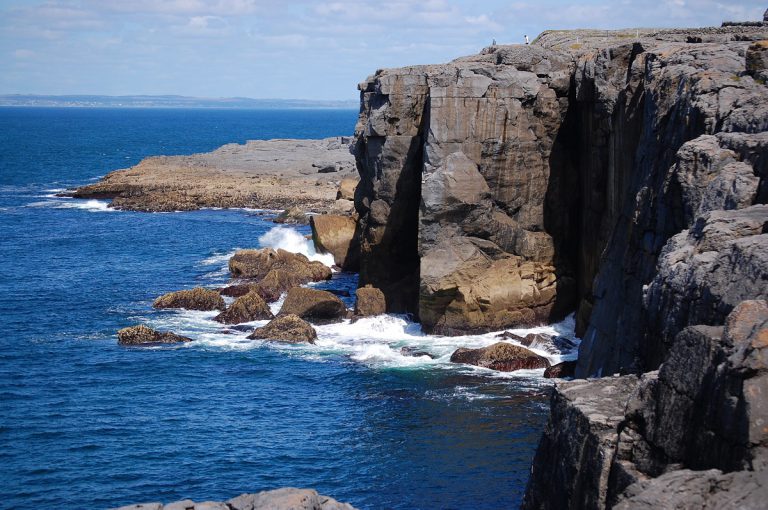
x=286, y=48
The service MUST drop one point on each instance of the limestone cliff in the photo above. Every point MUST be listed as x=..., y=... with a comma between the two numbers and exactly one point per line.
x=623, y=175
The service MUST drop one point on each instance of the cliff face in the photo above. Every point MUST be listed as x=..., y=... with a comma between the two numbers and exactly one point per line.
x=455, y=193
x=623, y=175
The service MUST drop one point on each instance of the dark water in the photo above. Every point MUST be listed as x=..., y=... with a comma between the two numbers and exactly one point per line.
x=86, y=423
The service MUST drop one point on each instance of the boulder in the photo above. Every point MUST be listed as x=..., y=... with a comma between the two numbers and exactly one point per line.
x=255, y=264
x=276, y=283
x=757, y=58
x=286, y=328
x=336, y=235
x=143, y=335
x=237, y=290
x=469, y=285
x=500, y=356
x=560, y=370
x=292, y=215
x=191, y=299
x=247, y=308
x=369, y=301
x=347, y=188
x=313, y=305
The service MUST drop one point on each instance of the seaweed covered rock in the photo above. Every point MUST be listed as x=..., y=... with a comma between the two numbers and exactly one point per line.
x=198, y=298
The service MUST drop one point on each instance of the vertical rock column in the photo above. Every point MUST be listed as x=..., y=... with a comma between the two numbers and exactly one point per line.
x=388, y=150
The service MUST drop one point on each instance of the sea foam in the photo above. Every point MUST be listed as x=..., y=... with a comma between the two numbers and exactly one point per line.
x=290, y=240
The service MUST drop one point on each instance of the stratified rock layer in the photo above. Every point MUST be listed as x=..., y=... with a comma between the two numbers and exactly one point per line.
x=455, y=164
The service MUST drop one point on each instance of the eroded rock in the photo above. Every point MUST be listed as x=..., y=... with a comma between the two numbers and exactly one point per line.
x=247, y=308
x=198, y=298
x=256, y=264
x=313, y=305
x=336, y=235
x=143, y=335
x=369, y=301
x=286, y=328
x=500, y=356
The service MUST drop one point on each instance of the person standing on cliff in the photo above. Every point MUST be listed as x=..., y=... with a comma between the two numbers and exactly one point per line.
x=526, y=39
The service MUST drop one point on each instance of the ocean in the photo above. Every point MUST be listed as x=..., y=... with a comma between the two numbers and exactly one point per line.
x=85, y=423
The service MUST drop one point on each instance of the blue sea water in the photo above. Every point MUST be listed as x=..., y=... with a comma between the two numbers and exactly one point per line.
x=85, y=423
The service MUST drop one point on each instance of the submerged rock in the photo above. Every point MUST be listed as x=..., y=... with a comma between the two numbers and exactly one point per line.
x=279, y=499
x=500, y=356
x=286, y=328
x=143, y=335
x=198, y=298
x=313, y=305
x=247, y=308
x=415, y=353
x=256, y=264
x=369, y=301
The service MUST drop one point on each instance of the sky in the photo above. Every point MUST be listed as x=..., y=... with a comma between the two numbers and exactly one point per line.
x=298, y=49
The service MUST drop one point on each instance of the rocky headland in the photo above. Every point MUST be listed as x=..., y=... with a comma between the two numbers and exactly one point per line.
x=620, y=175
x=260, y=174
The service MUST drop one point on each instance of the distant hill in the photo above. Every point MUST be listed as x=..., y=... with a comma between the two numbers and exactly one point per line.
x=85, y=101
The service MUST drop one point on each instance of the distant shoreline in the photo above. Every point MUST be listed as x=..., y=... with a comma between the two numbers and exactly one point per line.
x=133, y=102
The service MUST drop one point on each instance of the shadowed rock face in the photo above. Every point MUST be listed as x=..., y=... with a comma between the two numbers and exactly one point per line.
x=612, y=440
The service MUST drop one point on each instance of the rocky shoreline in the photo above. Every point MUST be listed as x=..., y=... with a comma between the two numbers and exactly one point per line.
x=260, y=174
x=278, y=499
x=621, y=174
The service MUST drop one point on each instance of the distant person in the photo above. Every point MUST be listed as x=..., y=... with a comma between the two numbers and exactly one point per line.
x=526, y=39
x=494, y=43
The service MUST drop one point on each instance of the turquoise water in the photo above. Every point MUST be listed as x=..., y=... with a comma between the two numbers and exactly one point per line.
x=86, y=423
